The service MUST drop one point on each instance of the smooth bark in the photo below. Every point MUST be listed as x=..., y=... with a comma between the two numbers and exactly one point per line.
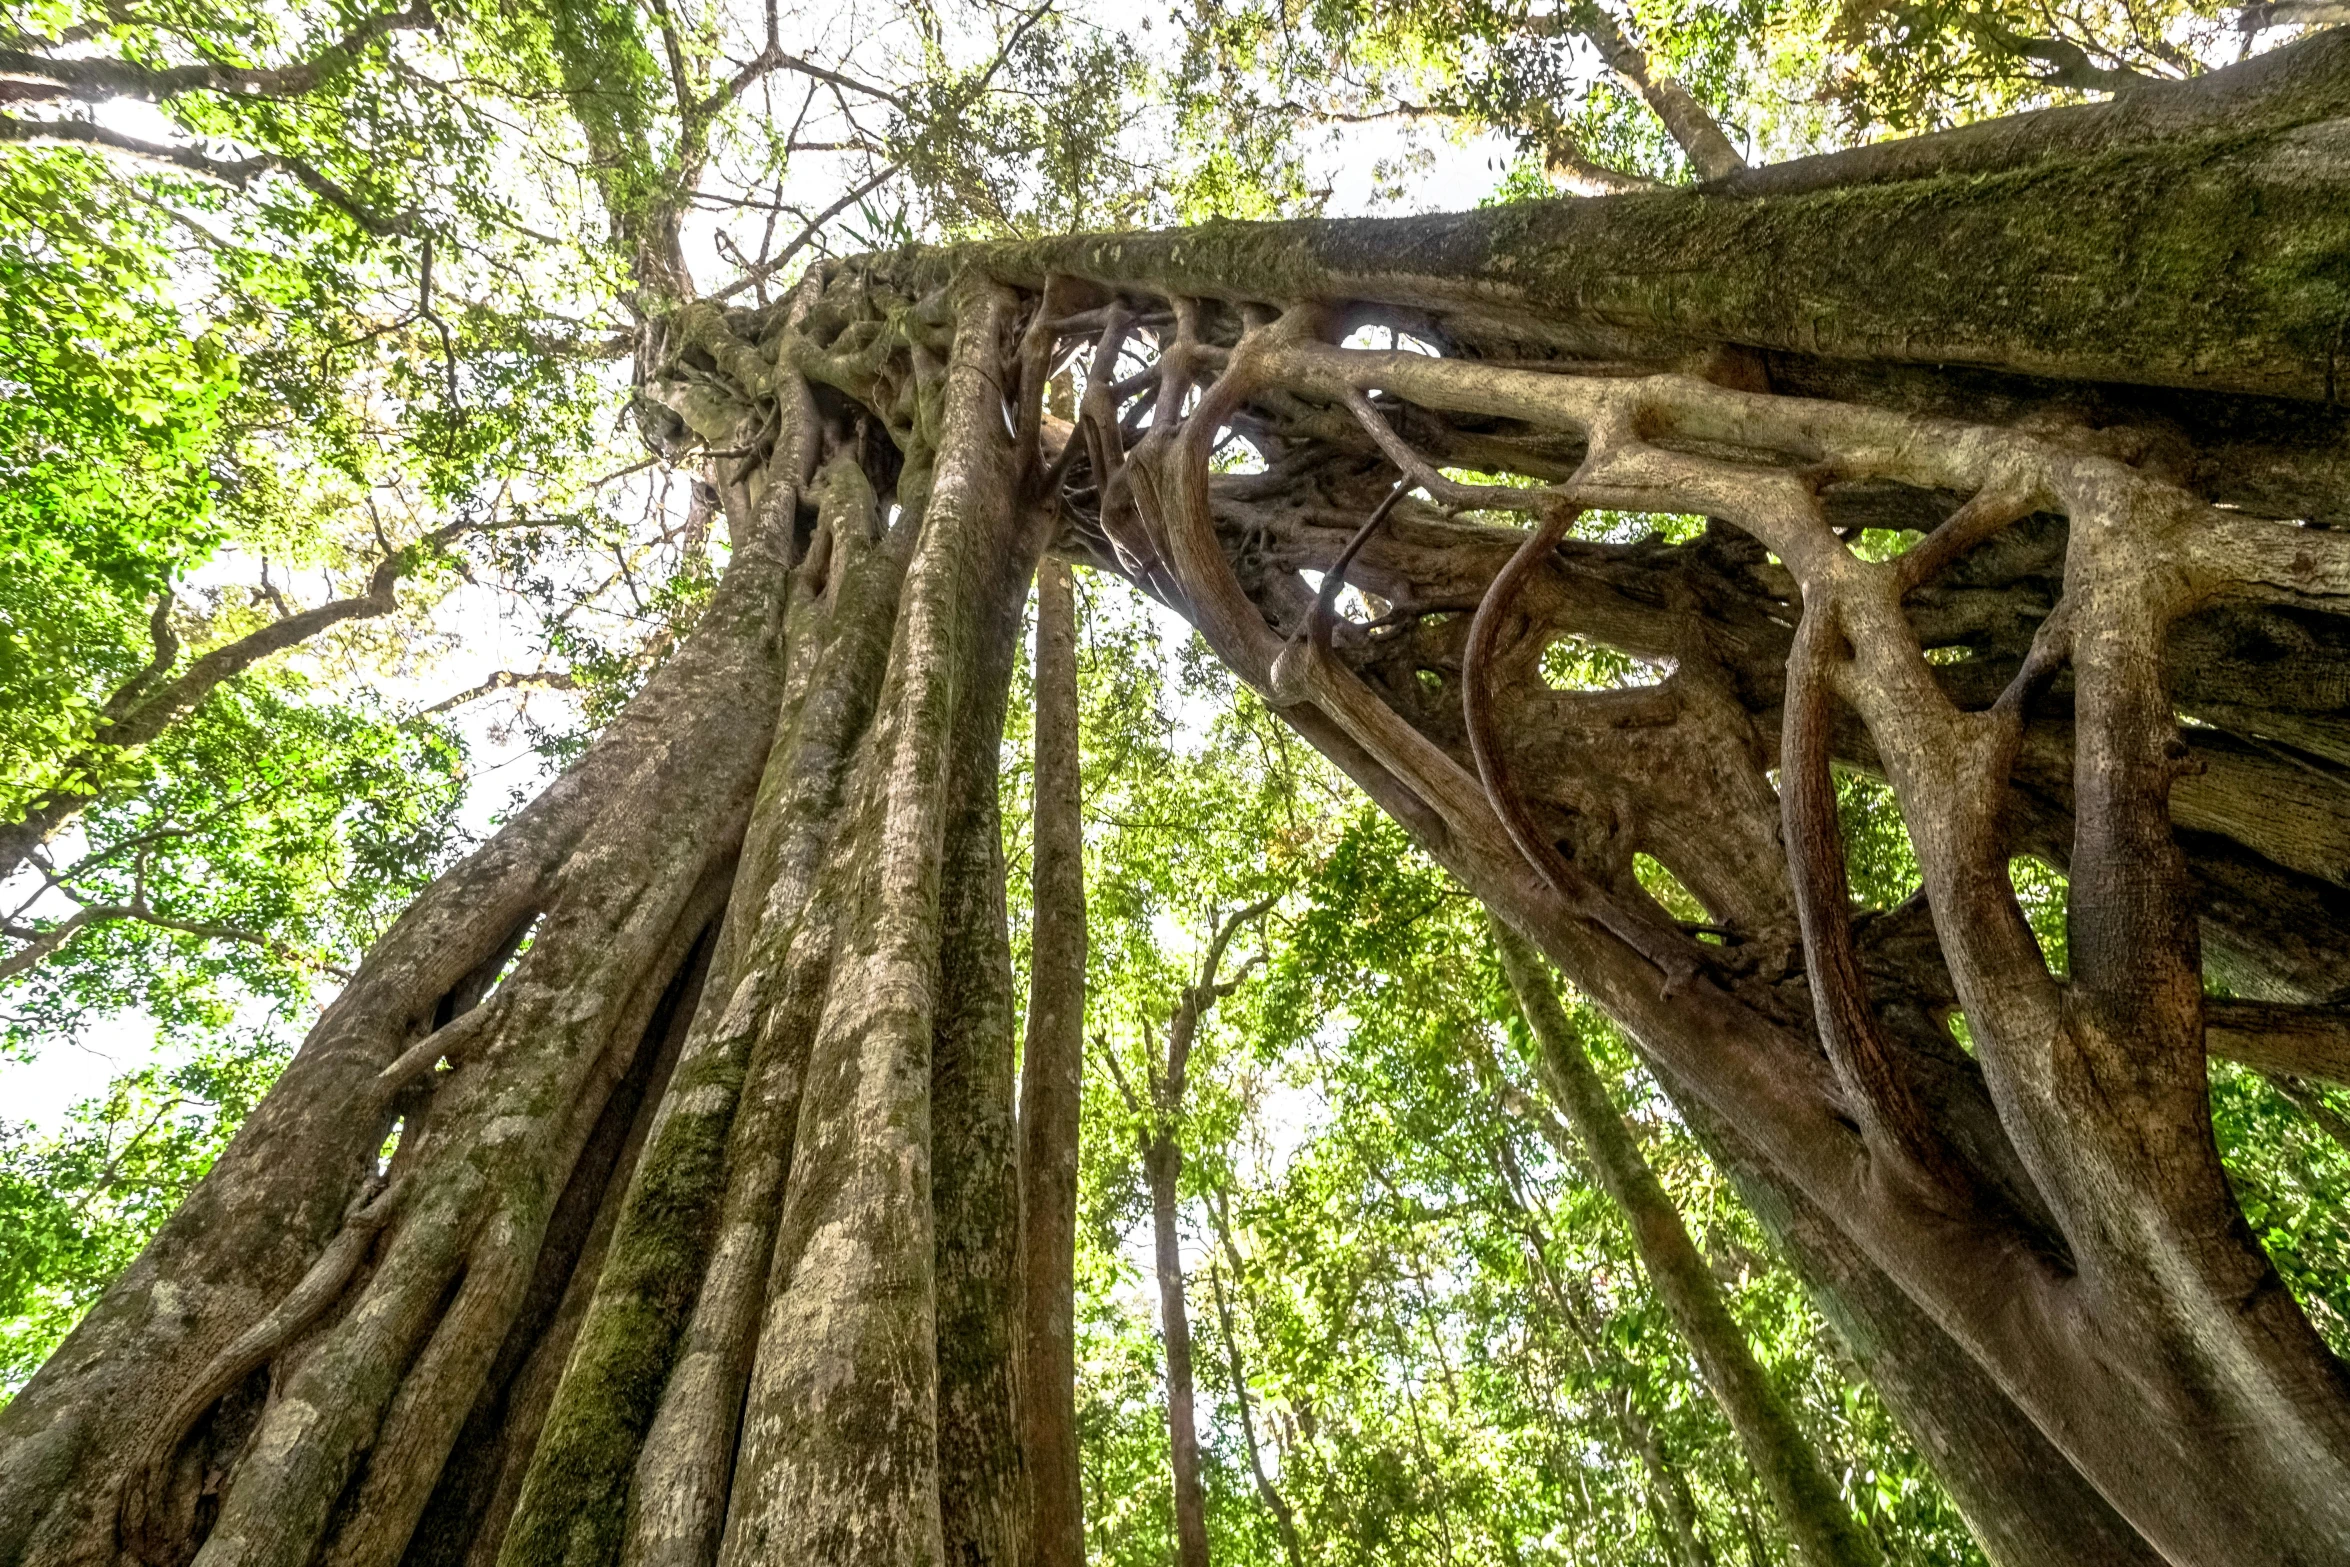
x=1051, y=1082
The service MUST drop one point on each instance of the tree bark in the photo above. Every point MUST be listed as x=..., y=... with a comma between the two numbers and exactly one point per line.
x=546, y=1336
x=2024, y=1501
x=1051, y=1087
x=1822, y=1528
x=106, y=1425
x=1162, y=1166
x=842, y=1451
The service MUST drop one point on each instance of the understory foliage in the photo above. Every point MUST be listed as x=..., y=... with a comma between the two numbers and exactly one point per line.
x=1429, y=1319
x=1886, y=736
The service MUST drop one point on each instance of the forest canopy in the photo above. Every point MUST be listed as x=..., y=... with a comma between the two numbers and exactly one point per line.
x=1043, y=783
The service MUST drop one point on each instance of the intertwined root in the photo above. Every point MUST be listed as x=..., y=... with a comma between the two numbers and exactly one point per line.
x=2034, y=1162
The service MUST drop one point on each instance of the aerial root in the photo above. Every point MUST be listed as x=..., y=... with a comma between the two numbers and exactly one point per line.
x=1667, y=948
x=147, y=1478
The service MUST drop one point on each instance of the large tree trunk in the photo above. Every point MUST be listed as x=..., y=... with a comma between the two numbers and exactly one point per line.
x=700, y=1241
x=700, y=1235
x=2024, y=1502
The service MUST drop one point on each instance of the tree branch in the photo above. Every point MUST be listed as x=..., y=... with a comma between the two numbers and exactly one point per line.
x=1118, y=1074
x=2069, y=65
x=95, y=81
x=41, y=945
x=237, y=172
x=508, y=680
x=1213, y=959
x=134, y=723
x=1685, y=119
x=2311, y=1042
x=1283, y=1519
x=772, y=59
x=167, y=652
x=767, y=269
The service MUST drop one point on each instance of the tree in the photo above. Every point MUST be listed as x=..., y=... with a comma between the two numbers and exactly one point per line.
x=1800, y=1490
x=191, y=408
x=1196, y=827
x=2015, y=444
x=1052, y=1082
x=1159, y=1116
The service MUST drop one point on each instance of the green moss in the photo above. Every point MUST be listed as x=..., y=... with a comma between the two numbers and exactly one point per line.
x=2219, y=262
x=573, y=1503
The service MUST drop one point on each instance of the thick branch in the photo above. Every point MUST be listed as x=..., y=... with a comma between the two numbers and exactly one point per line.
x=508, y=680
x=139, y=711
x=2042, y=251
x=1685, y=119
x=2311, y=1042
x=96, y=80
x=2069, y=65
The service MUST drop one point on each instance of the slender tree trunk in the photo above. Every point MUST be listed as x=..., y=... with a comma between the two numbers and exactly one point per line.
x=1051, y=1073
x=1810, y=1510
x=1667, y=1484
x=1162, y=1166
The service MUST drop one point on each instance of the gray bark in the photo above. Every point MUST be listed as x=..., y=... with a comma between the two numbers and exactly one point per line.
x=1051, y=1072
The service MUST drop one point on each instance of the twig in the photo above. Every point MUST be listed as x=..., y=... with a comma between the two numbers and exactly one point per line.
x=767, y=269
